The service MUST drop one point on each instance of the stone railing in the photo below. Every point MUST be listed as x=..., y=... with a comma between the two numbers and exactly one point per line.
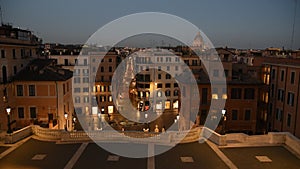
x=18, y=135
x=208, y=134
x=45, y=133
x=170, y=137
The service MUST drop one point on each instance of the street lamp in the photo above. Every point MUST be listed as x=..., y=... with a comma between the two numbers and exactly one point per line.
x=224, y=119
x=8, y=109
x=99, y=120
x=66, y=117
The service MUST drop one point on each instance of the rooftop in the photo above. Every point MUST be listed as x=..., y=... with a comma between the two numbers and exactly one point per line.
x=43, y=70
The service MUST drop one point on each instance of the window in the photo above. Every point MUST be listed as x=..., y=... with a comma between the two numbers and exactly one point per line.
x=216, y=73
x=280, y=95
x=194, y=62
x=249, y=93
x=110, y=69
x=22, y=53
x=14, y=53
x=77, y=99
x=175, y=84
x=234, y=114
x=215, y=94
x=167, y=93
x=289, y=119
x=66, y=62
x=64, y=89
x=158, y=94
x=159, y=85
x=77, y=80
x=168, y=68
x=85, y=80
x=15, y=70
x=2, y=53
x=102, y=89
x=32, y=111
x=102, y=69
x=19, y=90
x=85, y=99
x=31, y=89
x=293, y=78
x=102, y=98
x=85, y=62
x=236, y=93
x=110, y=60
x=204, y=96
x=187, y=62
x=21, y=112
x=77, y=90
x=278, y=114
x=272, y=90
x=159, y=76
x=273, y=74
x=78, y=110
x=110, y=98
x=94, y=69
x=85, y=72
x=282, y=75
x=76, y=72
x=85, y=89
x=168, y=76
x=168, y=85
x=226, y=73
x=175, y=93
x=159, y=68
x=247, y=114
x=176, y=68
x=290, y=99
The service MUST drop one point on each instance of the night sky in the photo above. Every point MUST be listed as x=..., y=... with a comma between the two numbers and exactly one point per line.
x=233, y=23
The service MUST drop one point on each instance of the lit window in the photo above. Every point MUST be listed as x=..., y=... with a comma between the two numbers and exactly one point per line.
x=214, y=96
x=110, y=109
x=167, y=105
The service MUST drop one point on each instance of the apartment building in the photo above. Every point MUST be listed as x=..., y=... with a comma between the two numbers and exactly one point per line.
x=282, y=80
x=17, y=48
x=43, y=96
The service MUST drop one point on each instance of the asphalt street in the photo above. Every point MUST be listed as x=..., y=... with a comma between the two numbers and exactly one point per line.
x=36, y=154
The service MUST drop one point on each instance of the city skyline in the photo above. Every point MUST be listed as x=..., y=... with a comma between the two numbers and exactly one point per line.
x=232, y=23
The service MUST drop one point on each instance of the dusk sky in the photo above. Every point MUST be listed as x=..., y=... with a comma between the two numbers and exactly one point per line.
x=233, y=23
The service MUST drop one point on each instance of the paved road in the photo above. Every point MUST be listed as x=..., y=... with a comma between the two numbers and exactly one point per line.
x=244, y=158
x=95, y=157
x=35, y=154
x=57, y=156
x=203, y=157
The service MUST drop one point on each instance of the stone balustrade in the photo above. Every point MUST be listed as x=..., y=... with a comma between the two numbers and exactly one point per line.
x=18, y=135
x=169, y=137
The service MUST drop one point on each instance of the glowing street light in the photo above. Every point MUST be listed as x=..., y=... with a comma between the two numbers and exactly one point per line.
x=8, y=110
x=224, y=119
x=66, y=117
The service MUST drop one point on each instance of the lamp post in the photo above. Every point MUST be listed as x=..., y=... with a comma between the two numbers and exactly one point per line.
x=8, y=110
x=99, y=120
x=224, y=120
x=66, y=124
